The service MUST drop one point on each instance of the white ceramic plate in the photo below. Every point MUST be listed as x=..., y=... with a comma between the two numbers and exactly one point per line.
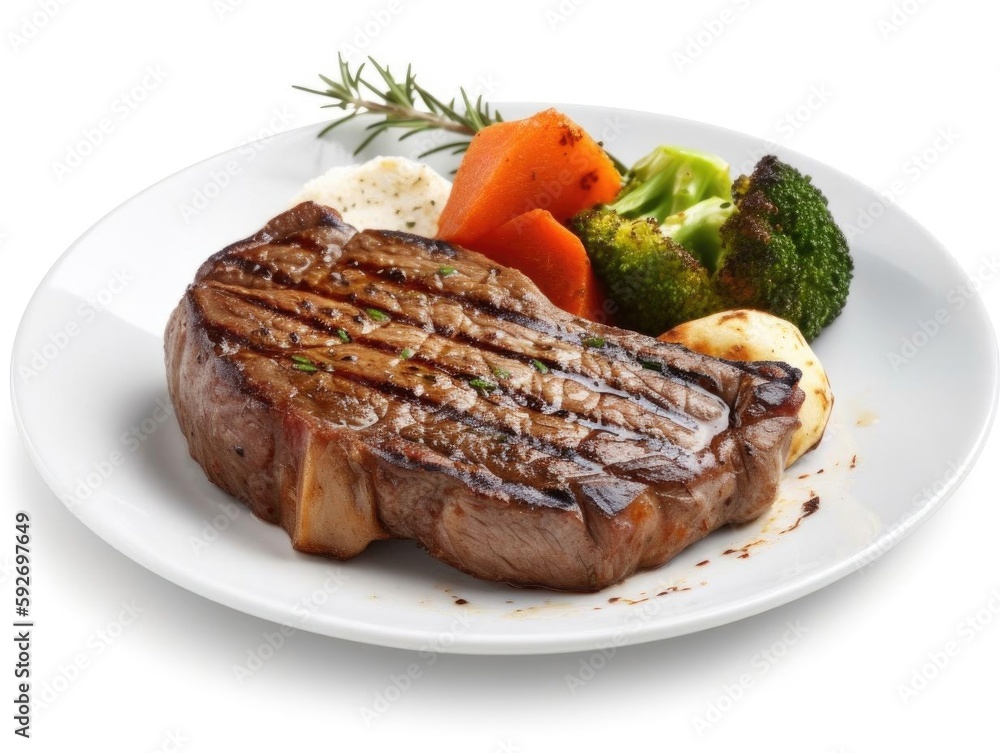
x=912, y=361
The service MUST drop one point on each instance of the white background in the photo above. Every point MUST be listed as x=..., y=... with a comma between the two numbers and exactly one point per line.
x=883, y=79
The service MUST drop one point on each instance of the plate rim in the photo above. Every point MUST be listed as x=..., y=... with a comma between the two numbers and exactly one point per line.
x=532, y=643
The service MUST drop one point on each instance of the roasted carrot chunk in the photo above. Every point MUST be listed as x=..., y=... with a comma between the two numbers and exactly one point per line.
x=545, y=161
x=552, y=257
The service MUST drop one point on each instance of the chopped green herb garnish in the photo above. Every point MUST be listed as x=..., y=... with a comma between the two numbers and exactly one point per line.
x=594, y=342
x=378, y=316
x=651, y=365
x=500, y=373
x=540, y=367
x=482, y=384
x=410, y=224
x=342, y=334
x=447, y=271
x=406, y=353
x=301, y=363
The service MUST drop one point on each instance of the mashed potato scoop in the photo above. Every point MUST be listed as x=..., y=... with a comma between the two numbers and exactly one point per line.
x=384, y=193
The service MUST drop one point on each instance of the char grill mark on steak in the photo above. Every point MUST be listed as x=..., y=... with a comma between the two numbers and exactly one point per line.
x=528, y=338
x=591, y=401
x=613, y=461
x=497, y=417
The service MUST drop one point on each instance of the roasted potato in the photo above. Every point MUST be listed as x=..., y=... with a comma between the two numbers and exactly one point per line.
x=749, y=335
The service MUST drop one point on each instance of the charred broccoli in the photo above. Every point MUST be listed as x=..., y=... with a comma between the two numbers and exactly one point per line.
x=653, y=280
x=782, y=250
x=768, y=241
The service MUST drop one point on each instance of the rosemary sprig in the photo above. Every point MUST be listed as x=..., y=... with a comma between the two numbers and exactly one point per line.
x=402, y=104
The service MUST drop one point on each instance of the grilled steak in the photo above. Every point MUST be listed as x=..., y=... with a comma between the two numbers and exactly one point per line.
x=353, y=386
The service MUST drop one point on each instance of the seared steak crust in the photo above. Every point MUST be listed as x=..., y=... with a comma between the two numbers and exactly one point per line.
x=358, y=386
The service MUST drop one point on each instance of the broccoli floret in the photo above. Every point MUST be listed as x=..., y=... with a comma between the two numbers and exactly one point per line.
x=687, y=192
x=767, y=241
x=669, y=180
x=697, y=229
x=653, y=280
x=782, y=250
